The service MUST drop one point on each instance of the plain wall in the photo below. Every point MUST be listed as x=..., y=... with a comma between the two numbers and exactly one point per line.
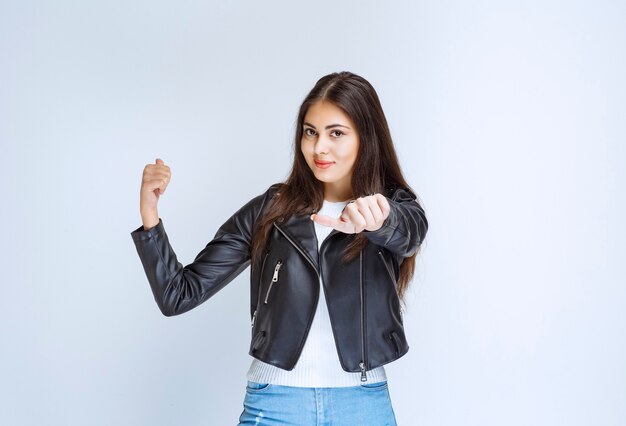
x=509, y=121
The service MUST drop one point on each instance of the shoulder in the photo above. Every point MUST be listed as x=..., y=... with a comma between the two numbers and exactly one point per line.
x=267, y=194
x=275, y=189
x=261, y=201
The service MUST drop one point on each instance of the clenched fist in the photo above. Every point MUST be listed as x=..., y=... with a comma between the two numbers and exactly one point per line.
x=367, y=213
x=154, y=181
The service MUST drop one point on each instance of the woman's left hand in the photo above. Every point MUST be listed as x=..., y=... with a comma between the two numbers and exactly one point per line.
x=367, y=213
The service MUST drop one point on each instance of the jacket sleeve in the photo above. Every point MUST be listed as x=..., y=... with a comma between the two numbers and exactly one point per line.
x=405, y=228
x=177, y=288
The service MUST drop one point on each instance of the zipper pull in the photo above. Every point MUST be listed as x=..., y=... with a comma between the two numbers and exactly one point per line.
x=363, y=374
x=253, y=318
x=275, y=277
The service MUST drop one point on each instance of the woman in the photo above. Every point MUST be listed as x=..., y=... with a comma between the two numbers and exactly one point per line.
x=344, y=231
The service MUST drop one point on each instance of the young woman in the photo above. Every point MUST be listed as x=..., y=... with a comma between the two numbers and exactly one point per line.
x=332, y=251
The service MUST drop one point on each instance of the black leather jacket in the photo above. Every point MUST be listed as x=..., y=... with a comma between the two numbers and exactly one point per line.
x=361, y=296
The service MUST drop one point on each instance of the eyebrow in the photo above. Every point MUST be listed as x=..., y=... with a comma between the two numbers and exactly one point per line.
x=327, y=127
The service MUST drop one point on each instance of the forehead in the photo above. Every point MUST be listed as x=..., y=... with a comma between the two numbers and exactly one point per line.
x=324, y=112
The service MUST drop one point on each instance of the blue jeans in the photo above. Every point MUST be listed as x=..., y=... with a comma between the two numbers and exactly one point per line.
x=363, y=405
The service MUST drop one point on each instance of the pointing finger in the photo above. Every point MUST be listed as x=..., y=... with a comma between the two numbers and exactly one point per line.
x=338, y=224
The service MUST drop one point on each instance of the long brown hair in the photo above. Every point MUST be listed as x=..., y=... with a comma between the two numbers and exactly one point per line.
x=376, y=168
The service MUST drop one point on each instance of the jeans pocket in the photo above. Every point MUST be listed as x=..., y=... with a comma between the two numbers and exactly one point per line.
x=374, y=386
x=255, y=387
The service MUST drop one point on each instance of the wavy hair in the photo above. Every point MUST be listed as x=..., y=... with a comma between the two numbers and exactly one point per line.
x=376, y=169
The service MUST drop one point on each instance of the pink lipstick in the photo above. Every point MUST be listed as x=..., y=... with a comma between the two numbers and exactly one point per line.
x=323, y=164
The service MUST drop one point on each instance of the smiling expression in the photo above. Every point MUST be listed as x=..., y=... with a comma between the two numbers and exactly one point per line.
x=330, y=144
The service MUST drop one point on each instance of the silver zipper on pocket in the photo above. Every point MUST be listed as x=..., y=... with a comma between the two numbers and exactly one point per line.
x=274, y=279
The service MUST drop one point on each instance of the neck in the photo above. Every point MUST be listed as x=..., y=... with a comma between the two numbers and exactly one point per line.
x=336, y=192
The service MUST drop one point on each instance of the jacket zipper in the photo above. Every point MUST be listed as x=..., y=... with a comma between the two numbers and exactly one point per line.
x=274, y=279
x=318, y=273
x=259, y=298
x=393, y=280
x=363, y=360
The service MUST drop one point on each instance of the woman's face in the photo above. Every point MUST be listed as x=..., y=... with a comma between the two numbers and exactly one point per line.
x=329, y=136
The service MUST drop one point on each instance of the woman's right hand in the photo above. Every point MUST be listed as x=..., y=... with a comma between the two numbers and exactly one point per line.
x=154, y=181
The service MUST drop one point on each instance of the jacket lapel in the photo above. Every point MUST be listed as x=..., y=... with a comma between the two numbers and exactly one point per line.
x=300, y=230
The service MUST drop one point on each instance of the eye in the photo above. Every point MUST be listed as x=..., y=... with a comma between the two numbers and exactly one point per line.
x=338, y=131
x=307, y=130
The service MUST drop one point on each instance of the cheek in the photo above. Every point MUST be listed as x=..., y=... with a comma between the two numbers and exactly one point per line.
x=307, y=153
x=350, y=152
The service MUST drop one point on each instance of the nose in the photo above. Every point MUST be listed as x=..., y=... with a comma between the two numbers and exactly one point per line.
x=321, y=145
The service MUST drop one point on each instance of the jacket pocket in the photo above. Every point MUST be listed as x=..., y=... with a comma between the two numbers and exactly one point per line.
x=395, y=340
x=274, y=280
x=389, y=272
x=256, y=308
x=257, y=341
x=393, y=280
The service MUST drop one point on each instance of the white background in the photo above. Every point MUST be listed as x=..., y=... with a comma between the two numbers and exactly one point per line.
x=509, y=118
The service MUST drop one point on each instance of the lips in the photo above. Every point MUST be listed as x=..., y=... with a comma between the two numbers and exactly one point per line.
x=323, y=164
